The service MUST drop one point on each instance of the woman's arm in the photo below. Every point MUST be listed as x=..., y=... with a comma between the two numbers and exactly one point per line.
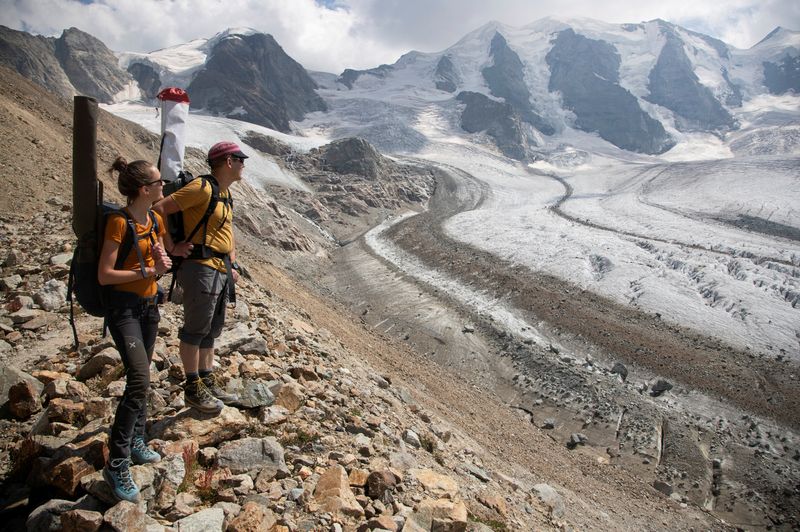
x=106, y=274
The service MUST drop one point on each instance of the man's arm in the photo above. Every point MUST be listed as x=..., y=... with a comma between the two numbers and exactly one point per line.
x=164, y=207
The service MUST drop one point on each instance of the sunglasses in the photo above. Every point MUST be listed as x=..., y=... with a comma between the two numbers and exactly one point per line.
x=235, y=158
x=154, y=182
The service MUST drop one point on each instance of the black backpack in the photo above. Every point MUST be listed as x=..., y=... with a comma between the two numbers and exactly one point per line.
x=83, y=284
x=178, y=233
x=176, y=229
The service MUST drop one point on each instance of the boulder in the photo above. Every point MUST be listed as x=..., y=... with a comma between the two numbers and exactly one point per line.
x=93, y=366
x=23, y=399
x=81, y=521
x=252, y=455
x=334, y=495
x=253, y=517
x=205, y=429
x=551, y=499
x=125, y=516
x=440, y=486
x=52, y=296
x=209, y=520
x=440, y=515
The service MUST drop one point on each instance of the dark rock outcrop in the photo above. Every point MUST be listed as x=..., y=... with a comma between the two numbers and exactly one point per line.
x=498, y=119
x=251, y=78
x=783, y=76
x=674, y=85
x=269, y=145
x=352, y=156
x=90, y=65
x=586, y=72
x=506, y=79
x=147, y=78
x=447, y=79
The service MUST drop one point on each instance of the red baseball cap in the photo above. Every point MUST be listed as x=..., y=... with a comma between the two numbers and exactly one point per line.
x=224, y=148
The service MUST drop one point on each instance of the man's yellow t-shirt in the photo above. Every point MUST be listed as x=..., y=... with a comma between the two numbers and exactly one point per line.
x=193, y=200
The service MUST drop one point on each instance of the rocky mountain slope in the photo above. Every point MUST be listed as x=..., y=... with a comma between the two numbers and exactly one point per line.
x=74, y=63
x=342, y=428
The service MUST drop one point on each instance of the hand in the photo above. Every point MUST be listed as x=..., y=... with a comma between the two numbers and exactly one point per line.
x=163, y=264
x=182, y=249
x=235, y=275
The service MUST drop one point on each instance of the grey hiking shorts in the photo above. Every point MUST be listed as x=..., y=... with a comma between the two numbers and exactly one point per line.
x=204, y=300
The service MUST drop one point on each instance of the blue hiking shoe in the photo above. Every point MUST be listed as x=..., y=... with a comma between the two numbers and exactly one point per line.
x=118, y=475
x=142, y=454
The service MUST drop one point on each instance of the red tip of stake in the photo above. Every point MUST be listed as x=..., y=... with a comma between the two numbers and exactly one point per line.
x=174, y=94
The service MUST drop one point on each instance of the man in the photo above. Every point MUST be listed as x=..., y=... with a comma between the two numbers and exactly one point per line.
x=207, y=272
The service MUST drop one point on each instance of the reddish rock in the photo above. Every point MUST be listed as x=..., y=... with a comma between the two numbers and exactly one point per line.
x=67, y=474
x=253, y=518
x=81, y=521
x=125, y=516
x=23, y=400
x=333, y=493
x=65, y=411
x=379, y=482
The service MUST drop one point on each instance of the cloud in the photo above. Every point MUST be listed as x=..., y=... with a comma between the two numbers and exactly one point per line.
x=331, y=35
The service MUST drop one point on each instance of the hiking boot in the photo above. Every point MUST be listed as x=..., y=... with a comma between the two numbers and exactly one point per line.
x=212, y=383
x=142, y=454
x=196, y=395
x=118, y=475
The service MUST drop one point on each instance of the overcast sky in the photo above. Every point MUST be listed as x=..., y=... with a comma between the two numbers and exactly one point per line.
x=331, y=35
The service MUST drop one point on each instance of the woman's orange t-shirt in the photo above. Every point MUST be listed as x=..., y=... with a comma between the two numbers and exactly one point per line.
x=116, y=229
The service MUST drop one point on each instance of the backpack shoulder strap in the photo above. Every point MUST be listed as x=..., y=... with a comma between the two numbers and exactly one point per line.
x=212, y=205
x=129, y=241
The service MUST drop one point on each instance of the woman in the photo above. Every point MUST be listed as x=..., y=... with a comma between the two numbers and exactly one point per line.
x=132, y=312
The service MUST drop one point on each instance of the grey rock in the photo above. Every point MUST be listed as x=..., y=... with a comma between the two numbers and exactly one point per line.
x=252, y=393
x=349, y=76
x=663, y=487
x=783, y=76
x=107, y=357
x=62, y=259
x=125, y=516
x=478, y=473
x=551, y=498
x=52, y=296
x=411, y=438
x=11, y=282
x=252, y=455
x=209, y=520
x=48, y=516
x=660, y=387
x=620, y=369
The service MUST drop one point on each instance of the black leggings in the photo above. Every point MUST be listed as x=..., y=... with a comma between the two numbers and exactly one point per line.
x=134, y=332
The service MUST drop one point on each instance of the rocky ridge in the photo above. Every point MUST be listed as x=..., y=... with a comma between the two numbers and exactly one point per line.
x=319, y=441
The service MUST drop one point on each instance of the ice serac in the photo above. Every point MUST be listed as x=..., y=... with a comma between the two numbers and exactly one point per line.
x=506, y=79
x=498, y=119
x=349, y=76
x=446, y=76
x=586, y=73
x=673, y=84
x=251, y=78
x=90, y=66
x=34, y=58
